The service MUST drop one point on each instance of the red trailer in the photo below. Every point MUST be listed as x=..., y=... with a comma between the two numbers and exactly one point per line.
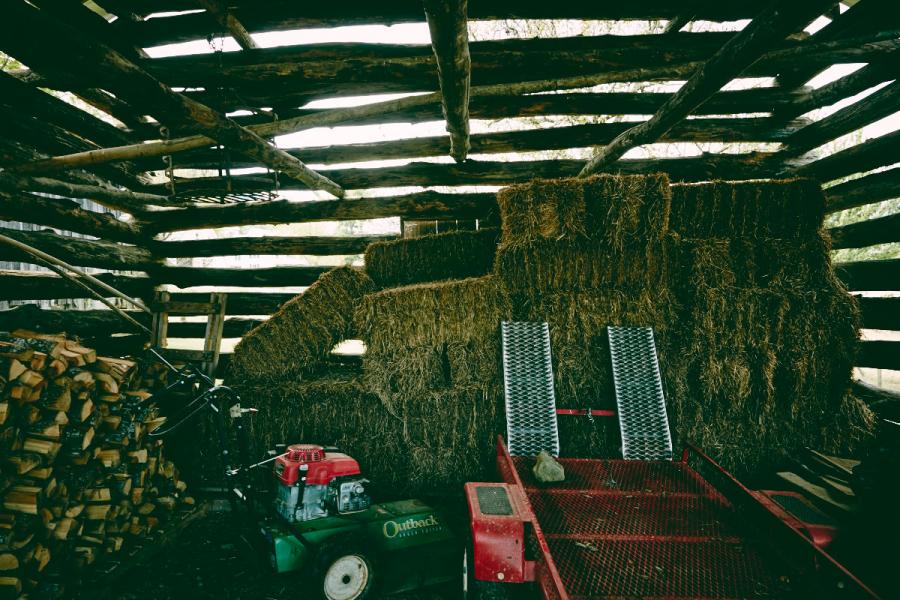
x=643, y=529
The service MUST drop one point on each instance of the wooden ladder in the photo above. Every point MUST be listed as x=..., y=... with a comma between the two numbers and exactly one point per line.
x=163, y=307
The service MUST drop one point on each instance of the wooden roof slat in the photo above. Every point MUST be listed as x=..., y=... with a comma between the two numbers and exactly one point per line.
x=486, y=172
x=871, y=154
x=772, y=25
x=226, y=19
x=870, y=189
x=528, y=140
x=123, y=200
x=78, y=251
x=286, y=15
x=426, y=205
x=267, y=245
x=26, y=285
x=850, y=118
x=883, y=230
x=450, y=41
x=85, y=55
x=861, y=18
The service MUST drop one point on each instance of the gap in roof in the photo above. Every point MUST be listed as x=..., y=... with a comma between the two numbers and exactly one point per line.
x=833, y=73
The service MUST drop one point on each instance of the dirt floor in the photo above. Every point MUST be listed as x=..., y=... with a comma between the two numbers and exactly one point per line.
x=212, y=558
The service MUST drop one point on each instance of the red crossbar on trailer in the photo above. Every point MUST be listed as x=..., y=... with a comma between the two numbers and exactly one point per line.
x=647, y=529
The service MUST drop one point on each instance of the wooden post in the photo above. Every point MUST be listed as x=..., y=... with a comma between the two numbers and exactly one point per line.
x=212, y=341
x=450, y=41
x=160, y=324
x=226, y=19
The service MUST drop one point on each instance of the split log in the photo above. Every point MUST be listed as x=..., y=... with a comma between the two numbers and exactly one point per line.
x=871, y=275
x=65, y=214
x=485, y=172
x=124, y=200
x=312, y=245
x=879, y=354
x=876, y=187
x=359, y=12
x=77, y=251
x=882, y=230
x=777, y=21
x=869, y=155
x=273, y=277
x=876, y=106
x=27, y=285
x=880, y=313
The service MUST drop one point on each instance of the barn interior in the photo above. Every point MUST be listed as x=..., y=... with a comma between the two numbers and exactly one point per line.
x=329, y=210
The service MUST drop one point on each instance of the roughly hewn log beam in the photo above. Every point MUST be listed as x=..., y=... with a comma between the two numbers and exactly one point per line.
x=272, y=277
x=144, y=90
x=448, y=25
x=65, y=214
x=311, y=245
x=879, y=354
x=880, y=313
x=123, y=200
x=870, y=275
x=876, y=187
x=27, y=285
x=78, y=251
x=869, y=155
x=333, y=117
x=555, y=138
x=93, y=324
x=226, y=19
x=875, y=106
x=885, y=403
x=777, y=21
x=423, y=204
x=882, y=230
x=486, y=172
x=241, y=303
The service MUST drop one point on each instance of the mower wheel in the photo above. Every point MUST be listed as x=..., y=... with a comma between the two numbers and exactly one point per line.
x=474, y=589
x=345, y=571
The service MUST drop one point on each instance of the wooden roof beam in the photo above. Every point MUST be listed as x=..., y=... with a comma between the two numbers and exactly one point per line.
x=23, y=24
x=450, y=40
x=225, y=18
x=776, y=22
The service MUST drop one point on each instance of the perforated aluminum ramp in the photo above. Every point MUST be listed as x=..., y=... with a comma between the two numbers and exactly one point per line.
x=639, y=394
x=528, y=386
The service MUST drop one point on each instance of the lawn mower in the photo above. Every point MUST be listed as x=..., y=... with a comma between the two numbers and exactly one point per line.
x=311, y=511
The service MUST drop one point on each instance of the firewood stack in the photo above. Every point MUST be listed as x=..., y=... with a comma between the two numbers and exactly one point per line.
x=79, y=476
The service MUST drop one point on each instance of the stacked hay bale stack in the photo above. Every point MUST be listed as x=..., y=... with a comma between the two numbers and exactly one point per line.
x=767, y=333
x=583, y=254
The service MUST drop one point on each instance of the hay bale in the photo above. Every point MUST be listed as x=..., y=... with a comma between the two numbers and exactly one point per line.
x=619, y=211
x=452, y=255
x=431, y=314
x=764, y=351
x=428, y=446
x=295, y=340
x=548, y=266
x=429, y=337
x=727, y=209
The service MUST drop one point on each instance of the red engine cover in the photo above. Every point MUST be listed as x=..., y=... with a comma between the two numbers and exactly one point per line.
x=323, y=467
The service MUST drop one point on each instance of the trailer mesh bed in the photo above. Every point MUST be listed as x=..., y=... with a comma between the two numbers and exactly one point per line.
x=623, y=529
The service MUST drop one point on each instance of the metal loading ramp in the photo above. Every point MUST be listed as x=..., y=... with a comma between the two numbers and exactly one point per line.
x=528, y=387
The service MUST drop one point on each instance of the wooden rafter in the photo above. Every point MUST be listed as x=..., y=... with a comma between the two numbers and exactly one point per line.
x=450, y=41
x=777, y=21
x=25, y=22
x=226, y=19
x=875, y=45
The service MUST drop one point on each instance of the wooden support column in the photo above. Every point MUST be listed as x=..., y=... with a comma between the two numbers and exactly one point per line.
x=450, y=41
x=212, y=341
x=24, y=27
x=160, y=327
x=227, y=20
x=776, y=22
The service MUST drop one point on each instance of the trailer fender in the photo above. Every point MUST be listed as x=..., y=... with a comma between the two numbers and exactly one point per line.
x=501, y=525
